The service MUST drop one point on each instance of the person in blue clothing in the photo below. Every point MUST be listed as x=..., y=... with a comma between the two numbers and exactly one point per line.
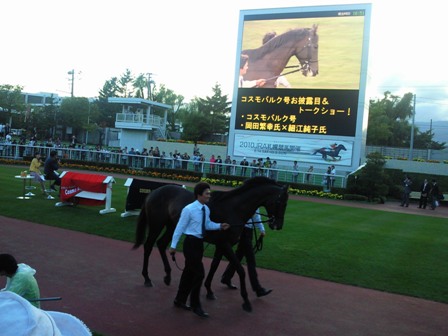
x=245, y=249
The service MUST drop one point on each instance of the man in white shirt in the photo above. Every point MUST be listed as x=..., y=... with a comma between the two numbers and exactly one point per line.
x=193, y=221
x=245, y=249
x=244, y=65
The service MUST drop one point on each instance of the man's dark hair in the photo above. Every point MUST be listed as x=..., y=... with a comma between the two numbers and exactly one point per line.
x=8, y=264
x=53, y=153
x=243, y=60
x=200, y=188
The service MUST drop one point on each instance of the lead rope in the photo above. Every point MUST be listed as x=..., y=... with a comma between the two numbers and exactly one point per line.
x=258, y=246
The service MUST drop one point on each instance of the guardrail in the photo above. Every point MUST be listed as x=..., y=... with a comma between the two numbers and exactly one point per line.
x=138, y=162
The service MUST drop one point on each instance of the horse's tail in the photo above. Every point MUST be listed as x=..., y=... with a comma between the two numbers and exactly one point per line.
x=140, y=232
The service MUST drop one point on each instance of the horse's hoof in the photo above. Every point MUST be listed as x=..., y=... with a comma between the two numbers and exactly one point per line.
x=247, y=307
x=211, y=296
x=167, y=280
x=148, y=283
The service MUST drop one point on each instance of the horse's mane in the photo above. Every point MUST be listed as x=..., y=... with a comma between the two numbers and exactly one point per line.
x=248, y=184
x=275, y=42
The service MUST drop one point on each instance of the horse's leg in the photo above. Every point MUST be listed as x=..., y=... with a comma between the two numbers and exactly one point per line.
x=152, y=236
x=147, y=252
x=162, y=244
x=233, y=259
x=213, y=267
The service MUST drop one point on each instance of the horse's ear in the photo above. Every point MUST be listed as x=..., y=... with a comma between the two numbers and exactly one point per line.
x=314, y=30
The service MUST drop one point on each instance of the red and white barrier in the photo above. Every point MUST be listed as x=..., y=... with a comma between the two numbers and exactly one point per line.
x=86, y=189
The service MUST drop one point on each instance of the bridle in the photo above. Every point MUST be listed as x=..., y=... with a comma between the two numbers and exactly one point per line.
x=305, y=65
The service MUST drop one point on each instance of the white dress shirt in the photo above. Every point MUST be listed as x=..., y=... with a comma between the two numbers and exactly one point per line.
x=190, y=222
x=255, y=222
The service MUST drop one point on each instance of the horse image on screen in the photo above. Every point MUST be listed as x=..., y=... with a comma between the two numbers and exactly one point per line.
x=269, y=60
x=333, y=153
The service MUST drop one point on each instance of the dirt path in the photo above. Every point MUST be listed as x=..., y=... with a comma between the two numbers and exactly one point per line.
x=100, y=282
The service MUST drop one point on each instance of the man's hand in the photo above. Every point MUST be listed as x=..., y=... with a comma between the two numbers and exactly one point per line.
x=172, y=251
x=225, y=226
x=261, y=82
x=263, y=233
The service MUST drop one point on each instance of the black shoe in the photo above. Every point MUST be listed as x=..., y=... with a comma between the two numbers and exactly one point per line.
x=263, y=292
x=182, y=305
x=199, y=312
x=228, y=283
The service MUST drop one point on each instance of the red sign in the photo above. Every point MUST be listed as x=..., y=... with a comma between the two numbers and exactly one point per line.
x=73, y=183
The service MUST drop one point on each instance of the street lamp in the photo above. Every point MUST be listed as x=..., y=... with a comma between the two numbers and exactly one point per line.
x=72, y=80
x=72, y=73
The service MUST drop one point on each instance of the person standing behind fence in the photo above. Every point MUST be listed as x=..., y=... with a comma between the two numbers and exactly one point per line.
x=273, y=171
x=327, y=181
x=333, y=175
x=212, y=164
x=308, y=174
x=219, y=164
x=185, y=158
x=295, y=171
x=254, y=168
x=34, y=169
x=50, y=168
x=228, y=162
x=244, y=164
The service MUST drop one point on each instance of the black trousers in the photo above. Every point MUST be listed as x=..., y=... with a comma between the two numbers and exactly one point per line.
x=244, y=249
x=423, y=202
x=52, y=176
x=193, y=273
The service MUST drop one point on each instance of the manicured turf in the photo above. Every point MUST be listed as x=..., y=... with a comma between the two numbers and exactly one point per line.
x=393, y=252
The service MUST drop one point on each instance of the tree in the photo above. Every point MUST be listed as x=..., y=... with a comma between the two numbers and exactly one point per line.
x=42, y=121
x=195, y=126
x=140, y=85
x=371, y=181
x=215, y=110
x=167, y=96
x=75, y=113
x=11, y=100
x=389, y=124
x=125, y=84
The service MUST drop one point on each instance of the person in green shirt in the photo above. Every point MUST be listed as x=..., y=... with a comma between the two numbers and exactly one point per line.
x=19, y=279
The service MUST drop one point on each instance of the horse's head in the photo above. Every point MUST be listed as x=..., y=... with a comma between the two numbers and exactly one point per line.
x=276, y=207
x=308, y=54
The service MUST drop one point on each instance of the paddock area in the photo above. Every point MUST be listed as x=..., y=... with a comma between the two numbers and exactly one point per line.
x=99, y=281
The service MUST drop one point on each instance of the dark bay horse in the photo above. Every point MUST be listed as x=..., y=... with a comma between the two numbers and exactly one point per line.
x=334, y=153
x=269, y=60
x=162, y=208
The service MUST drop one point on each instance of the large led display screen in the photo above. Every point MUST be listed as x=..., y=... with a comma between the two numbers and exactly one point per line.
x=300, y=84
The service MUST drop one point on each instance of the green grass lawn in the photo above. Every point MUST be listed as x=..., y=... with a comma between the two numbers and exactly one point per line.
x=392, y=252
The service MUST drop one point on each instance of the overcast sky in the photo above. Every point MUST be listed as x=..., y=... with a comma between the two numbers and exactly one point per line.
x=191, y=45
